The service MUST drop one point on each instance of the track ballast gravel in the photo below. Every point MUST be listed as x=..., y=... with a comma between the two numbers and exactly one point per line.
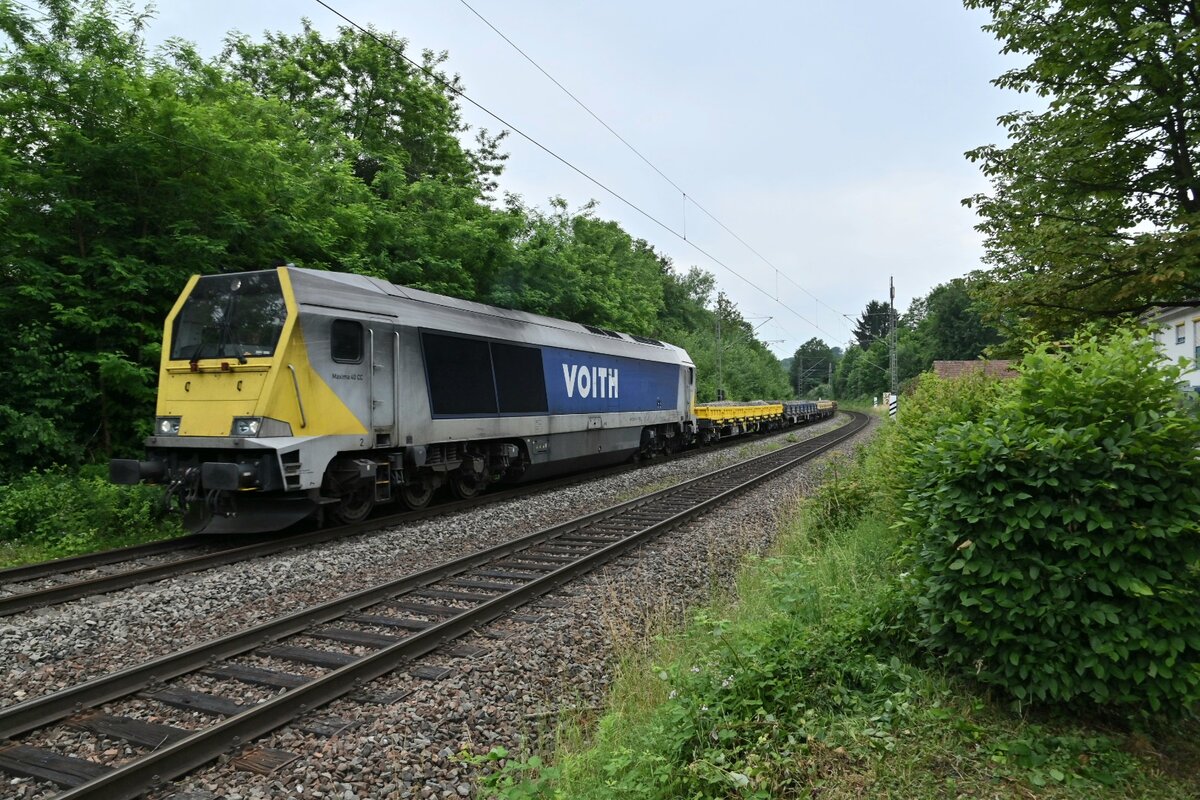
x=561, y=659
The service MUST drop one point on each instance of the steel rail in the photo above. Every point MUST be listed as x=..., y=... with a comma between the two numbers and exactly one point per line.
x=30, y=714
x=75, y=590
x=61, y=593
x=28, y=572
x=174, y=760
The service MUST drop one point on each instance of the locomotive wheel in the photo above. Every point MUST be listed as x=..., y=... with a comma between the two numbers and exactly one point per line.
x=465, y=486
x=416, y=497
x=355, y=505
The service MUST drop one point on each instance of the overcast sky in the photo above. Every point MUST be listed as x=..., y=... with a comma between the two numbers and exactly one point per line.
x=829, y=136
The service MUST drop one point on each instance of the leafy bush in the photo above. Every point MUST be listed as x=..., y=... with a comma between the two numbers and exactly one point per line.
x=62, y=514
x=934, y=403
x=875, y=481
x=1056, y=540
x=44, y=386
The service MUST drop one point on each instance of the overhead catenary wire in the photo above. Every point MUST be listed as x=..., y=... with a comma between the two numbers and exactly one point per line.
x=29, y=9
x=7, y=82
x=580, y=103
x=10, y=82
x=687, y=198
x=561, y=159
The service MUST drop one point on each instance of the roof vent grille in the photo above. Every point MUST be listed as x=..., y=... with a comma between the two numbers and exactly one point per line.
x=602, y=331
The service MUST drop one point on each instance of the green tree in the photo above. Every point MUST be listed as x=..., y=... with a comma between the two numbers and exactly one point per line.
x=123, y=175
x=1095, y=202
x=44, y=386
x=685, y=300
x=739, y=363
x=947, y=325
x=811, y=366
x=578, y=267
x=870, y=375
x=953, y=326
x=397, y=129
x=845, y=367
x=872, y=324
x=863, y=374
x=394, y=114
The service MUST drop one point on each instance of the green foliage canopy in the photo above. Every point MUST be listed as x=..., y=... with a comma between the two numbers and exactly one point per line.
x=395, y=128
x=123, y=172
x=872, y=324
x=946, y=324
x=1095, y=203
x=811, y=366
x=951, y=326
x=582, y=269
x=123, y=175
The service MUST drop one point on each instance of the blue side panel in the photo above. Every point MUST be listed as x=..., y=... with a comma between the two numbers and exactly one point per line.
x=589, y=383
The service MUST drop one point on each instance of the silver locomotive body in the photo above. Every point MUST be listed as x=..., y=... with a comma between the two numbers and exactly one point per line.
x=375, y=392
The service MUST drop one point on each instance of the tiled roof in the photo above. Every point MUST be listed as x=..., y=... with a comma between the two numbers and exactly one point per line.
x=954, y=369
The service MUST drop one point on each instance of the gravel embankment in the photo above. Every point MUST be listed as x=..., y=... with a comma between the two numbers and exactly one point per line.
x=404, y=744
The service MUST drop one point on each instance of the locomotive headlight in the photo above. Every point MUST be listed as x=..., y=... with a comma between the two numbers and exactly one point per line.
x=246, y=426
x=167, y=426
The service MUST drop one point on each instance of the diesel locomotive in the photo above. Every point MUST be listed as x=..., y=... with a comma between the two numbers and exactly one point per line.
x=288, y=392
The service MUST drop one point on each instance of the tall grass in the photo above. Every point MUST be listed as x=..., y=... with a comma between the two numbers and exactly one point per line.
x=801, y=684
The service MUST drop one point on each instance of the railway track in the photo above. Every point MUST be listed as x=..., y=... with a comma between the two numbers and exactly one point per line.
x=67, y=579
x=395, y=623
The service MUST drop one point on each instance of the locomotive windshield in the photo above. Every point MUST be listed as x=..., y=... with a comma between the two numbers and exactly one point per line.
x=230, y=316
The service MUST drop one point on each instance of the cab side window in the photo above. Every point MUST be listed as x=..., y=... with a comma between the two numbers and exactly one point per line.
x=346, y=341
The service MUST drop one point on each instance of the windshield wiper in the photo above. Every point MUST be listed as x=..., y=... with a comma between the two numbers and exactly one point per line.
x=226, y=327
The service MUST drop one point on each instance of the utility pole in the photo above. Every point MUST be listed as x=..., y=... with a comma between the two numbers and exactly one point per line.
x=720, y=369
x=895, y=371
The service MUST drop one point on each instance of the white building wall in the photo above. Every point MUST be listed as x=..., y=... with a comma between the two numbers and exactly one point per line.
x=1178, y=336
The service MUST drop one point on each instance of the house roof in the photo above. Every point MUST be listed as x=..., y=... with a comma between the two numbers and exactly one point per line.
x=955, y=369
x=1164, y=313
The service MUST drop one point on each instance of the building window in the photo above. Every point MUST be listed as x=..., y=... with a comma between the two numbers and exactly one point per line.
x=1180, y=333
x=346, y=341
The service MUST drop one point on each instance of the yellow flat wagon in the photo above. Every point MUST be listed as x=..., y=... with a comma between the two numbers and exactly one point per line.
x=717, y=420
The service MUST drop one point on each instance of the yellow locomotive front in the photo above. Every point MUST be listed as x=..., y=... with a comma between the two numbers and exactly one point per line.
x=219, y=350
x=231, y=415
